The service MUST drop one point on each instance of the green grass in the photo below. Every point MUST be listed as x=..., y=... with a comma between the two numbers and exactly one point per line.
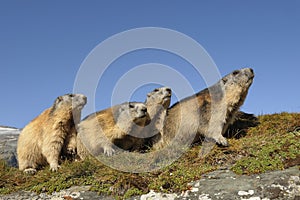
x=272, y=145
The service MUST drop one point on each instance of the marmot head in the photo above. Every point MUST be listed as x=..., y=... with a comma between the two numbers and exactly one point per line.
x=242, y=78
x=160, y=96
x=127, y=115
x=236, y=85
x=71, y=101
x=138, y=113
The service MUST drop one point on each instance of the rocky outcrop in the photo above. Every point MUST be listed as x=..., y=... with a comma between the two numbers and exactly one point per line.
x=224, y=184
x=8, y=145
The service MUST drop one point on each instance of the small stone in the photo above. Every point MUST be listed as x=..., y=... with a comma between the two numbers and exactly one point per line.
x=244, y=193
x=204, y=197
x=197, y=184
x=294, y=179
x=153, y=195
x=253, y=198
x=75, y=195
x=251, y=192
x=185, y=194
x=278, y=186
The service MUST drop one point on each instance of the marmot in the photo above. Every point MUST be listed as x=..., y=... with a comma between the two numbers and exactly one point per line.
x=157, y=103
x=43, y=139
x=98, y=131
x=209, y=112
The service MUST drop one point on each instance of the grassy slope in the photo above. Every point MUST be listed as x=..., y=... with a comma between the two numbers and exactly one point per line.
x=273, y=145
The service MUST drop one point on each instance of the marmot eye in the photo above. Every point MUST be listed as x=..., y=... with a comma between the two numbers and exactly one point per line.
x=59, y=99
x=131, y=106
x=235, y=72
x=156, y=90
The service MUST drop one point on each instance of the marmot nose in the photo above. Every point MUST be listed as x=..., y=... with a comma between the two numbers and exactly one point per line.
x=251, y=70
x=169, y=91
x=85, y=99
x=251, y=73
x=144, y=110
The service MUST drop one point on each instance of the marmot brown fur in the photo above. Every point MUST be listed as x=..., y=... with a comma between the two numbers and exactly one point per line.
x=98, y=132
x=209, y=112
x=43, y=139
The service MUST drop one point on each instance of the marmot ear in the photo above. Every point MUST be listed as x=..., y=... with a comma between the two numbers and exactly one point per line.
x=131, y=105
x=235, y=72
x=58, y=99
x=224, y=80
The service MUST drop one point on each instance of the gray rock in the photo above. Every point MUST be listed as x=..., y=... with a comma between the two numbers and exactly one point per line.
x=73, y=193
x=8, y=145
x=224, y=184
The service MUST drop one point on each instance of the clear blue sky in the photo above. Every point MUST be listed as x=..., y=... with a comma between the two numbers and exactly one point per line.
x=43, y=44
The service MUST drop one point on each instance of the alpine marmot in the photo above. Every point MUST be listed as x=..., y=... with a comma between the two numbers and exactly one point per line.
x=209, y=112
x=44, y=139
x=98, y=131
x=157, y=103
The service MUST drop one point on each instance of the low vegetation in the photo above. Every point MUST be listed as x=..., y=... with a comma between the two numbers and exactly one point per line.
x=272, y=145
